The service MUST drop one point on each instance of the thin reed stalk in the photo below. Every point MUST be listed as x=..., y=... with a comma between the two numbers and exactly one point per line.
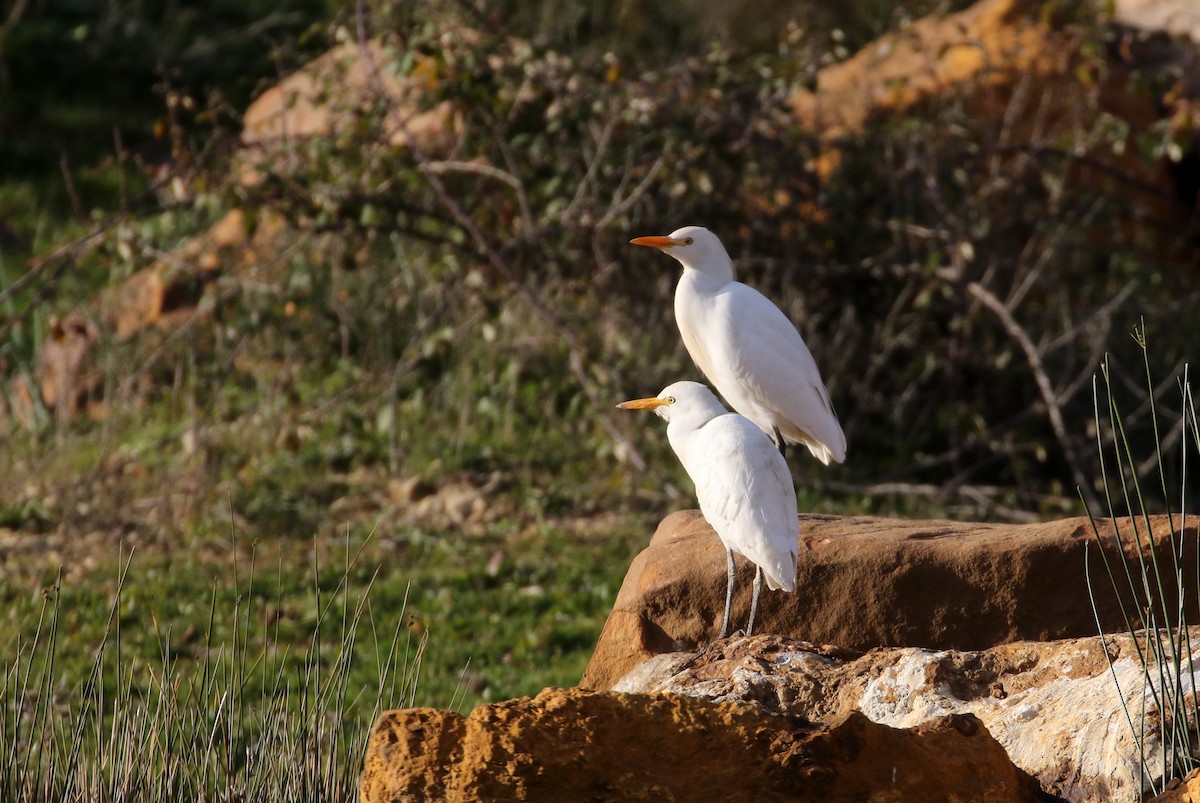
x=1149, y=581
x=249, y=719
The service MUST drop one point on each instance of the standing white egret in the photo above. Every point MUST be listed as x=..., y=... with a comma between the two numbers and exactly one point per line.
x=742, y=482
x=748, y=348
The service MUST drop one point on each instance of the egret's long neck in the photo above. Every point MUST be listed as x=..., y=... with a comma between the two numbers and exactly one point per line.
x=679, y=435
x=707, y=280
x=713, y=264
x=681, y=431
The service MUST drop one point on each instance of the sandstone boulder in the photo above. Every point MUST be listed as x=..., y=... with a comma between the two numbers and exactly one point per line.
x=324, y=98
x=1053, y=706
x=867, y=582
x=167, y=292
x=329, y=94
x=1010, y=65
x=1174, y=17
x=982, y=51
x=66, y=381
x=575, y=745
x=1185, y=790
x=1000, y=58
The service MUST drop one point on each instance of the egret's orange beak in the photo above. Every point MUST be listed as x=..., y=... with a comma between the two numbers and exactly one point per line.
x=644, y=404
x=656, y=242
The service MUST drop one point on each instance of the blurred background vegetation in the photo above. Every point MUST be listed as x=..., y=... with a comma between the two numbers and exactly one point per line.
x=404, y=350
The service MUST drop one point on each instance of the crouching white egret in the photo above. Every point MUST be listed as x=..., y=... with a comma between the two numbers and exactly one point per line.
x=742, y=482
x=748, y=348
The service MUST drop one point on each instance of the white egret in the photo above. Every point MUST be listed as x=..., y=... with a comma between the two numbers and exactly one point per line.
x=742, y=482
x=748, y=348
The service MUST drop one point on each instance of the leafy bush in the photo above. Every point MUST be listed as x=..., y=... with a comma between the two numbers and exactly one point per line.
x=941, y=261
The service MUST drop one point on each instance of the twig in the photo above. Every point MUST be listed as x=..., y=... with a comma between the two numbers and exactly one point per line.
x=72, y=192
x=55, y=262
x=619, y=208
x=14, y=16
x=1049, y=397
x=1101, y=314
x=39, y=264
x=593, y=165
x=522, y=199
x=490, y=171
x=1106, y=168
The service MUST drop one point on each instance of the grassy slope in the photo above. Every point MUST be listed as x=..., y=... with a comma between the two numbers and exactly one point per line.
x=264, y=457
x=519, y=591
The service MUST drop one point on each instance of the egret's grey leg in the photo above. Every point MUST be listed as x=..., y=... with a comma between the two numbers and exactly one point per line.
x=728, y=592
x=779, y=441
x=758, y=576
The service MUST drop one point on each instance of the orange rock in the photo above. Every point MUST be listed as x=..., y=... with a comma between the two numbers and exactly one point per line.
x=64, y=380
x=135, y=303
x=866, y=582
x=1185, y=790
x=575, y=745
x=1007, y=65
x=993, y=44
x=328, y=94
x=1053, y=706
x=167, y=292
x=1174, y=17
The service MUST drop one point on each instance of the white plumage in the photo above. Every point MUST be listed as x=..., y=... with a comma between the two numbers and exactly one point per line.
x=748, y=348
x=742, y=483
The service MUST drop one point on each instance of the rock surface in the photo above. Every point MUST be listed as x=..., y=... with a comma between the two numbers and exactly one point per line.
x=1053, y=706
x=1185, y=790
x=980, y=52
x=989, y=56
x=867, y=582
x=1174, y=17
x=1010, y=66
x=574, y=745
x=328, y=95
x=166, y=293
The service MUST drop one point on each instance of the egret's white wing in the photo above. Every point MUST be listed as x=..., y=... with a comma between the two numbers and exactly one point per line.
x=745, y=492
x=757, y=360
x=770, y=362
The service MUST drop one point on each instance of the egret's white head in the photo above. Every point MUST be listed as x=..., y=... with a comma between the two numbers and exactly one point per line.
x=695, y=247
x=683, y=402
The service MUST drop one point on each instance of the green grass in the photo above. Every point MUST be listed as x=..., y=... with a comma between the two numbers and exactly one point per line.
x=238, y=667
x=226, y=708
x=522, y=611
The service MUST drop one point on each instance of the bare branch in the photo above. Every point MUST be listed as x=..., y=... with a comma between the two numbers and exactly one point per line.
x=619, y=208
x=490, y=171
x=593, y=165
x=1049, y=397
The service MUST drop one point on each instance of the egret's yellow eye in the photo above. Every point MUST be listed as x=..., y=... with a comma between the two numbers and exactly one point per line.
x=688, y=241
x=670, y=400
